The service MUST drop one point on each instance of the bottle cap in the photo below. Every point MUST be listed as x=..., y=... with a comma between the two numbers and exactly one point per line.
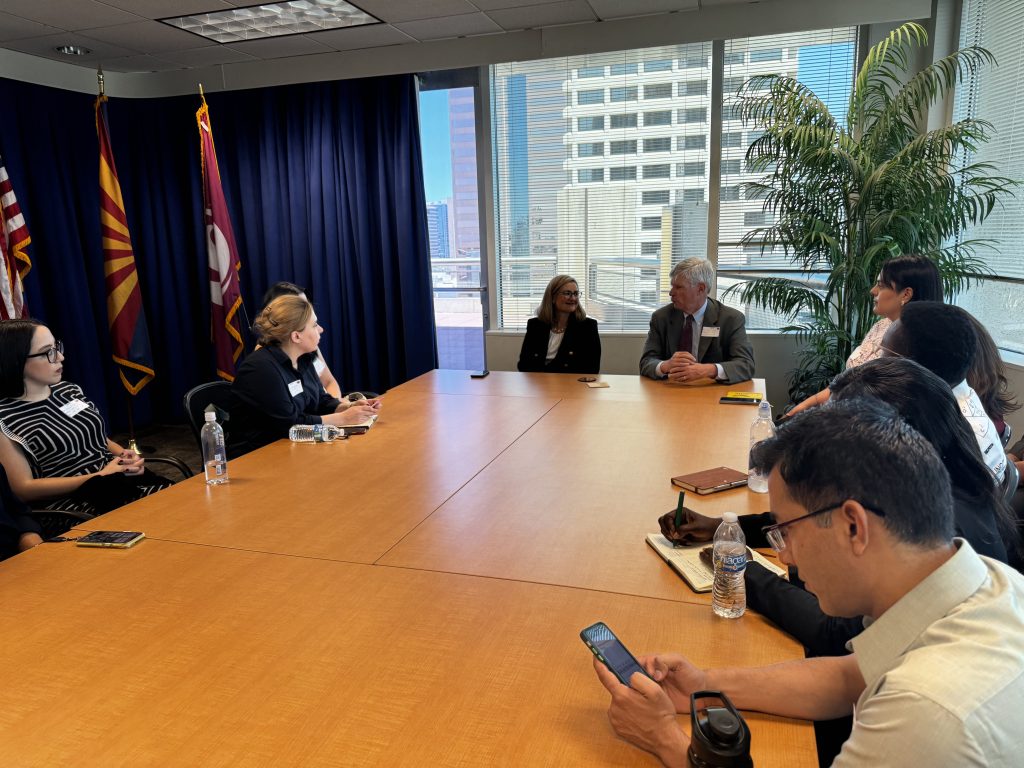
x=729, y=517
x=210, y=416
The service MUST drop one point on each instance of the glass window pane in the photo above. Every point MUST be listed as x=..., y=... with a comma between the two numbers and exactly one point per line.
x=595, y=96
x=662, y=117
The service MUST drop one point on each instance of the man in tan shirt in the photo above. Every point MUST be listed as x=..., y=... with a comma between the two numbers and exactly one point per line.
x=937, y=678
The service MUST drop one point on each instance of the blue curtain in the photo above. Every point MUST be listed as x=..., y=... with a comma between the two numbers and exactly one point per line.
x=325, y=186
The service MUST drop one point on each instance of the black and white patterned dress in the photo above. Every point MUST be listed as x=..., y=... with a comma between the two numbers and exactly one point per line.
x=57, y=441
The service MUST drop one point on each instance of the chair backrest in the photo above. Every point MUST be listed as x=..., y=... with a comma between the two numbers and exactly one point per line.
x=215, y=393
x=1010, y=480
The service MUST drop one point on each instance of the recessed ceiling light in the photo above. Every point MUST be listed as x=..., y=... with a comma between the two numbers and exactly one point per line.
x=72, y=50
x=272, y=20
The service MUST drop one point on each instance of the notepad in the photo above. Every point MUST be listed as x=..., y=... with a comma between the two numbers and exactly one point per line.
x=741, y=398
x=687, y=563
x=711, y=480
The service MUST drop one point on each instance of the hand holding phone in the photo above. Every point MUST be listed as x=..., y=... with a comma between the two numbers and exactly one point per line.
x=610, y=651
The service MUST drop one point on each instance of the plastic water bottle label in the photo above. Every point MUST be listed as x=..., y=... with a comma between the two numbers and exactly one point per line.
x=733, y=563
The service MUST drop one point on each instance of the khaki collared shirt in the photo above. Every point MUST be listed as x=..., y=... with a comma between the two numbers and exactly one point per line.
x=944, y=672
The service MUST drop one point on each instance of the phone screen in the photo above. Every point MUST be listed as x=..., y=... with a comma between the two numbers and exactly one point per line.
x=608, y=648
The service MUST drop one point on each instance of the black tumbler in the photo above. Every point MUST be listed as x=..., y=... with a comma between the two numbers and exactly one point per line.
x=719, y=737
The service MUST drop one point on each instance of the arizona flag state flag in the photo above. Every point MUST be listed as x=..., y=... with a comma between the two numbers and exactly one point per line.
x=13, y=241
x=129, y=334
x=225, y=294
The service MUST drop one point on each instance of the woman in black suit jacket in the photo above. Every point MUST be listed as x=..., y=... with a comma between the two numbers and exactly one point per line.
x=561, y=339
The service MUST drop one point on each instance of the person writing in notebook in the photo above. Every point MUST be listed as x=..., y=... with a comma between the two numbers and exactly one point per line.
x=937, y=677
x=696, y=337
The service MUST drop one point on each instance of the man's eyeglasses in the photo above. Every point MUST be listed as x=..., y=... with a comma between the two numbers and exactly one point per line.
x=51, y=353
x=776, y=533
x=569, y=294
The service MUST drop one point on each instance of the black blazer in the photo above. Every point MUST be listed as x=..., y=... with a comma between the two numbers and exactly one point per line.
x=580, y=351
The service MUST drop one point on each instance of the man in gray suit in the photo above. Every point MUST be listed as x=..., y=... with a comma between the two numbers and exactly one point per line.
x=695, y=337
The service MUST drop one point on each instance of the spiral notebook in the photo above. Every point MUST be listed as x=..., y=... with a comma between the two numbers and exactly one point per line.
x=687, y=563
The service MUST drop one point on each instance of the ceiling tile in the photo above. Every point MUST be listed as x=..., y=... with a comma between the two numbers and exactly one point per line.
x=493, y=5
x=280, y=47
x=712, y=3
x=535, y=16
x=158, y=9
x=69, y=14
x=449, y=26
x=210, y=56
x=404, y=10
x=15, y=27
x=371, y=36
x=616, y=9
x=148, y=36
x=141, y=63
x=44, y=46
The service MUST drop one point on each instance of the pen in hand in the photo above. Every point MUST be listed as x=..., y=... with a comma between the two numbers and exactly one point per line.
x=679, y=509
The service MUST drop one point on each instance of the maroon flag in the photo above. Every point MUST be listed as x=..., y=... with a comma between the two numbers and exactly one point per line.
x=14, y=262
x=225, y=295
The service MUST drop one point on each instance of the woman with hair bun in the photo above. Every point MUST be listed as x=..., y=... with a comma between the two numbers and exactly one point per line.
x=278, y=386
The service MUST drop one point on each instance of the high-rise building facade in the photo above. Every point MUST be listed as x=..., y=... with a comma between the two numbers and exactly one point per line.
x=437, y=230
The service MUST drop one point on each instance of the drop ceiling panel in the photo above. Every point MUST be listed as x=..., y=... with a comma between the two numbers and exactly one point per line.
x=69, y=14
x=403, y=10
x=149, y=36
x=279, y=47
x=616, y=9
x=534, y=16
x=44, y=46
x=139, y=63
x=449, y=26
x=15, y=27
x=209, y=56
x=158, y=9
x=371, y=36
x=493, y=5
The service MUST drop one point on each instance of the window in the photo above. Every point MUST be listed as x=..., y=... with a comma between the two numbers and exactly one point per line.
x=592, y=222
x=658, y=91
x=731, y=111
x=658, y=65
x=730, y=140
x=755, y=219
x=591, y=97
x=693, y=115
x=583, y=72
x=661, y=171
x=693, y=88
x=654, y=198
x=730, y=167
x=765, y=54
x=661, y=144
x=993, y=94
x=732, y=84
x=663, y=117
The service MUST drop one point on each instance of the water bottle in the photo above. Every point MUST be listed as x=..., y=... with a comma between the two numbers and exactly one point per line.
x=761, y=428
x=215, y=457
x=729, y=593
x=315, y=433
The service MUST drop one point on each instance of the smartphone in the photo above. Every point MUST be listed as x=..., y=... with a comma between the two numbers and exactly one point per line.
x=609, y=650
x=478, y=374
x=356, y=429
x=116, y=539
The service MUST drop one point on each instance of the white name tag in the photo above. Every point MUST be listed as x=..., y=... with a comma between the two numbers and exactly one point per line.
x=319, y=365
x=73, y=407
x=710, y=332
x=295, y=388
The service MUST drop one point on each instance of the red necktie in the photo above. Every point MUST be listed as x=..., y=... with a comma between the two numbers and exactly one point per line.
x=686, y=336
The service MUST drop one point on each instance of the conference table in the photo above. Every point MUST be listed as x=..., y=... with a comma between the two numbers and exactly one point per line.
x=412, y=596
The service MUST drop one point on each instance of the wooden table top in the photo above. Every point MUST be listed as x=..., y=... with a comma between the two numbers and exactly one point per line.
x=375, y=601
x=176, y=654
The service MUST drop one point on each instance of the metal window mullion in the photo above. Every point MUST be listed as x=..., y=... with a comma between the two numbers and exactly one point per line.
x=715, y=151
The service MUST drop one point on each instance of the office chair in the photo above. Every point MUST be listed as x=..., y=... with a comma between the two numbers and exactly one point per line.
x=198, y=399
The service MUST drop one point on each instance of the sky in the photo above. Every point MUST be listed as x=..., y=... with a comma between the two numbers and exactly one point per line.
x=434, y=135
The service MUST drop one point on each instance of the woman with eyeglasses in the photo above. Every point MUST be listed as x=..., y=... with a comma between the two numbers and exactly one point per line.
x=900, y=280
x=278, y=385
x=561, y=338
x=53, y=441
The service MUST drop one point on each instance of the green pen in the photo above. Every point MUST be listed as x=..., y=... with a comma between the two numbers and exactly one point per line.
x=679, y=509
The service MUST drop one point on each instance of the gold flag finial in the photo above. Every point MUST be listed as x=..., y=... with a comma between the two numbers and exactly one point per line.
x=99, y=79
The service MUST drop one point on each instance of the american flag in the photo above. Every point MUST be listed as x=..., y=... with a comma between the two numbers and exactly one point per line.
x=14, y=240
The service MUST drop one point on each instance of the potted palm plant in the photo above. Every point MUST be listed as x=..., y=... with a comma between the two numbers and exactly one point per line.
x=844, y=196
